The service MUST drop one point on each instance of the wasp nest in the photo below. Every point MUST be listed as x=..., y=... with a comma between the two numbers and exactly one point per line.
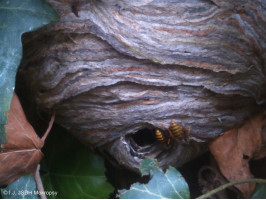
x=116, y=72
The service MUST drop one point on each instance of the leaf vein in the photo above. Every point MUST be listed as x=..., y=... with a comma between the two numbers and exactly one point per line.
x=173, y=186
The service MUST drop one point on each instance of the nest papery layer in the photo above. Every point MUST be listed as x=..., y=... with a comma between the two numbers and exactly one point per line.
x=117, y=68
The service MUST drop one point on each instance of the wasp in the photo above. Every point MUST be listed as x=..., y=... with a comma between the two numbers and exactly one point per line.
x=177, y=131
x=162, y=137
x=174, y=134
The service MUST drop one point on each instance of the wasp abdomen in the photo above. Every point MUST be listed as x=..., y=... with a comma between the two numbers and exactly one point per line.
x=177, y=130
x=159, y=136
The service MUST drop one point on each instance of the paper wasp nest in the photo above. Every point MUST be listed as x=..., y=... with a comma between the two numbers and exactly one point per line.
x=114, y=73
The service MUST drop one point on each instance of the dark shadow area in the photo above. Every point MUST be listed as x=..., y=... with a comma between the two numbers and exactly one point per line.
x=258, y=168
x=144, y=137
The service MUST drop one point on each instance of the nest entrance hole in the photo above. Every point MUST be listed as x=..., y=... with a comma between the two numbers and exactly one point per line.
x=144, y=137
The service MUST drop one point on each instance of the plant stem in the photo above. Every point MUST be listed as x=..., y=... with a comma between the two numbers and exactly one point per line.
x=222, y=187
x=49, y=128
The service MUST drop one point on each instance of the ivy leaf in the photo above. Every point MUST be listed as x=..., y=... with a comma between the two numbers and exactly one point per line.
x=260, y=192
x=17, y=17
x=168, y=185
x=22, y=188
x=72, y=170
x=22, y=153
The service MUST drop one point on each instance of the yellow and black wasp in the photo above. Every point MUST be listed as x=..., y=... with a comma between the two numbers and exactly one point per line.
x=179, y=132
x=174, y=134
x=162, y=137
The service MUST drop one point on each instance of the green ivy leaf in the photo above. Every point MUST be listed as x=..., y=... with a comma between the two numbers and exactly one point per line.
x=22, y=188
x=168, y=185
x=17, y=17
x=71, y=169
x=260, y=192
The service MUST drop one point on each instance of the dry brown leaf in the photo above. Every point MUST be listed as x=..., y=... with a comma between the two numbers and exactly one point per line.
x=236, y=148
x=262, y=152
x=21, y=154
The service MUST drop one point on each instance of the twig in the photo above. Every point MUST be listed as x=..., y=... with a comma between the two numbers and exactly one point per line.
x=49, y=128
x=37, y=176
x=39, y=184
x=222, y=187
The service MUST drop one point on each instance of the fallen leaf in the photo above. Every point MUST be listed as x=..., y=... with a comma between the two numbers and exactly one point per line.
x=262, y=152
x=21, y=154
x=236, y=148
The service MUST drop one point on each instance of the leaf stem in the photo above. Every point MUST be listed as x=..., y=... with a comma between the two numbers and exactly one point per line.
x=49, y=128
x=39, y=184
x=222, y=187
